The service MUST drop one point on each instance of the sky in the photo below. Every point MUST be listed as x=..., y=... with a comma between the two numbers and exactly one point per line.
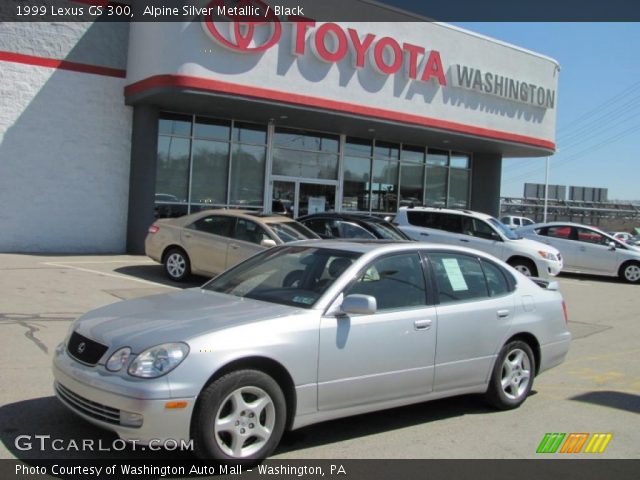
x=598, y=105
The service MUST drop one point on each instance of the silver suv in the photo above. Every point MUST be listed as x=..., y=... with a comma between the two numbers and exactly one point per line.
x=482, y=232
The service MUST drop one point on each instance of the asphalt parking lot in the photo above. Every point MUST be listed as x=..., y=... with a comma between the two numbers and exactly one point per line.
x=596, y=390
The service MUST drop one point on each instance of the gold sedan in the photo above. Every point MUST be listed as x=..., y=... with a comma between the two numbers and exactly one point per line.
x=211, y=241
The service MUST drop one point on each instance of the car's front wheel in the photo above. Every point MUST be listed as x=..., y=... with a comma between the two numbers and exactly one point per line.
x=630, y=272
x=512, y=376
x=240, y=417
x=177, y=265
x=524, y=266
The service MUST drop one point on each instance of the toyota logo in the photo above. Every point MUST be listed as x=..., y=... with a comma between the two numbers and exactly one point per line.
x=81, y=347
x=244, y=36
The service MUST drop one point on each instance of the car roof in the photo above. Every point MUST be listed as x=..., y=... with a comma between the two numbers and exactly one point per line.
x=248, y=214
x=345, y=216
x=465, y=212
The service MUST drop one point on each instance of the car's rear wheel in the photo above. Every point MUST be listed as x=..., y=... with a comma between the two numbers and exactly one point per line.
x=524, y=266
x=630, y=272
x=512, y=376
x=177, y=265
x=240, y=417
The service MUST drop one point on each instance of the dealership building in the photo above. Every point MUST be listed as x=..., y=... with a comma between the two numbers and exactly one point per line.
x=106, y=126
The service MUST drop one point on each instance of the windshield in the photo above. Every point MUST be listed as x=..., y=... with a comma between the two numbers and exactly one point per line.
x=296, y=276
x=503, y=229
x=291, y=231
x=388, y=232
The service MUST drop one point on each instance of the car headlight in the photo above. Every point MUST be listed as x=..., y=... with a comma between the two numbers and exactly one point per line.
x=158, y=360
x=118, y=360
x=548, y=255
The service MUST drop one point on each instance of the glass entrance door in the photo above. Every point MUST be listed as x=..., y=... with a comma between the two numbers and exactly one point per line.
x=296, y=198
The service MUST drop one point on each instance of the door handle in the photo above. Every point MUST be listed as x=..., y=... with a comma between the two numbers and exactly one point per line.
x=234, y=246
x=424, y=234
x=583, y=249
x=422, y=324
x=502, y=313
x=187, y=235
x=464, y=240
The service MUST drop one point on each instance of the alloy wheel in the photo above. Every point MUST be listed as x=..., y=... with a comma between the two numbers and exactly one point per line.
x=516, y=374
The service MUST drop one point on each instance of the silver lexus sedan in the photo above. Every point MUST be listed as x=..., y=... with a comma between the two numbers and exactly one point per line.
x=308, y=332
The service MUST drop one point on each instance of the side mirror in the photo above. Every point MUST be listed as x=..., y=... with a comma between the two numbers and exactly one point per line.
x=359, y=305
x=612, y=245
x=268, y=243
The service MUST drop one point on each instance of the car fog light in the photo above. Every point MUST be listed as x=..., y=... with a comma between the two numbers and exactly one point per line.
x=130, y=419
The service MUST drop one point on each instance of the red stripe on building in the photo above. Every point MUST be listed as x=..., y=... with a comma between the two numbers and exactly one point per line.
x=181, y=81
x=61, y=64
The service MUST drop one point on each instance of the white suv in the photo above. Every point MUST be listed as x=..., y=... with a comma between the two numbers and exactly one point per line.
x=482, y=232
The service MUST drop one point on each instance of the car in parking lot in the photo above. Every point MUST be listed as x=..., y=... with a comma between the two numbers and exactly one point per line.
x=351, y=225
x=588, y=250
x=210, y=241
x=480, y=231
x=514, y=222
x=308, y=332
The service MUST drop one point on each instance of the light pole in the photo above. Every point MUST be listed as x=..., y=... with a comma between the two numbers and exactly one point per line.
x=546, y=189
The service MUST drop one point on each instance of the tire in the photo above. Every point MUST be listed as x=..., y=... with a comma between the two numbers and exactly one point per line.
x=176, y=264
x=512, y=376
x=630, y=272
x=524, y=266
x=239, y=418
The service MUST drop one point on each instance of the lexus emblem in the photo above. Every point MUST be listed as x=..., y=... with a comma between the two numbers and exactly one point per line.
x=243, y=36
x=81, y=347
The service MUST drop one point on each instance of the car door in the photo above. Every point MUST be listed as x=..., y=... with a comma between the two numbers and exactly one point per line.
x=594, y=253
x=562, y=238
x=387, y=355
x=475, y=308
x=206, y=242
x=246, y=241
x=478, y=234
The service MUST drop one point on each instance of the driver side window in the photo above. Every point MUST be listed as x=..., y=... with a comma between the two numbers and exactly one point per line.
x=395, y=281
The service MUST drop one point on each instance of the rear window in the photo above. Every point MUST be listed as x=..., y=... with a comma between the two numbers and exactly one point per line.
x=291, y=231
x=423, y=219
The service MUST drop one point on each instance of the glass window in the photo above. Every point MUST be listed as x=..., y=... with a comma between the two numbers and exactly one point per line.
x=591, y=236
x=451, y=223
x=437, y=158
x=384, y=187
x=210, y=128
x=477, y=228
x=396, y=282
x=291, y=231
x=216, y=225
x=296, y=163
x=297, y=139
x=424, y=219
x=412, y=154
x=321, y=226
x=496, y=280
x=436, y=187
x=209, y=172
x=351, y=230
x=557, y=232
x=358, y=146
x=459, y=160
x=411, y=184
x=172, y=177
x=386, y=150
x=171, y=124
x=249, y=231
x=458, y=188
x=357, y=173
x=249, y=133
x=247, y=175
x=458, y=277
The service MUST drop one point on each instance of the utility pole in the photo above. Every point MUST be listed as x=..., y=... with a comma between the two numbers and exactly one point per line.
x=546, y=189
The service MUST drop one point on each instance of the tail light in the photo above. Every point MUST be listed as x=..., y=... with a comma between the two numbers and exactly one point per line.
x=564, y=310
x=154, y=229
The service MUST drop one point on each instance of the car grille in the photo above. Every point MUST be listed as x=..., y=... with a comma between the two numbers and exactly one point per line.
x=88, y=407
x=84, y=349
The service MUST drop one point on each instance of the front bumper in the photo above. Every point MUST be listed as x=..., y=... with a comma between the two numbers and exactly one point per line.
x=548, y=268
x=110, y=401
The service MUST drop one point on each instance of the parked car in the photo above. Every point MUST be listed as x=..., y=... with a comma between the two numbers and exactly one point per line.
x=625, y=237
x=351, y=225
x=482, y=232
x=516, y=222
x=588, y=250
x=304, y=333
x=210, y=241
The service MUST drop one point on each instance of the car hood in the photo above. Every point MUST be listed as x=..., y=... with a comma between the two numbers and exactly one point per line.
x=173, y=317
x=534, y=245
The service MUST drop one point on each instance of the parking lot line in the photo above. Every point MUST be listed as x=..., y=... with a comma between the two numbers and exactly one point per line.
x=107, y=274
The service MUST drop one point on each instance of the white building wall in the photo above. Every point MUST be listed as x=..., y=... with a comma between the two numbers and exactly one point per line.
x=65, y=140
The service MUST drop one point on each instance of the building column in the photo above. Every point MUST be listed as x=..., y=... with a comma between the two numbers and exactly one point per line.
x=485, y=183
x=142, y=177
